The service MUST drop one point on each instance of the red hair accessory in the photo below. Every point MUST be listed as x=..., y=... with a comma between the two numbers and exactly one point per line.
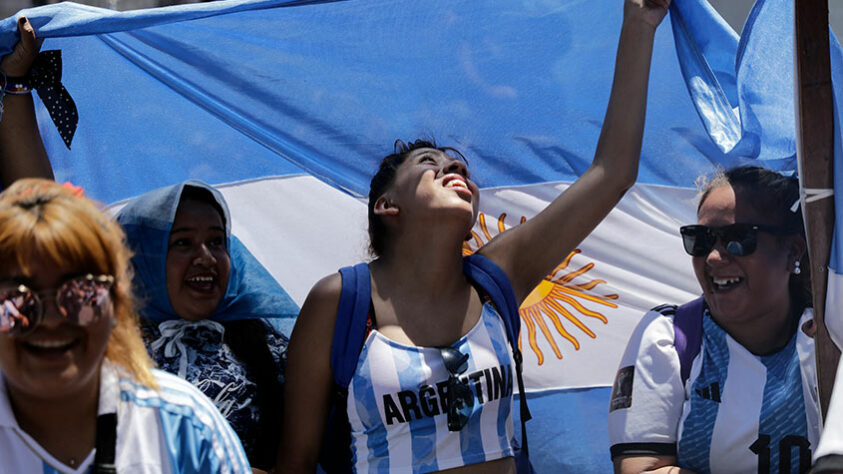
x=76, y=190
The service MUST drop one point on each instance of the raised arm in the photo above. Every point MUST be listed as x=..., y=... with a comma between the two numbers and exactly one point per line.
x=22, y=152
x=530, y=251
x=309, y=379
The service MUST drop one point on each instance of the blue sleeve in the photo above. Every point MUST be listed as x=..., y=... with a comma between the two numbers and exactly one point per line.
x=199, y=440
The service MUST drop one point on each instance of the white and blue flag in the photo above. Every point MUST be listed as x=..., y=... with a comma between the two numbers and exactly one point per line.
x=288, y=106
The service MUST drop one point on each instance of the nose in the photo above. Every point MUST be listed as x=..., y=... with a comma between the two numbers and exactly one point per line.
x=455, y=166
x=52, y=315
x=718, y=255
x=204, y=256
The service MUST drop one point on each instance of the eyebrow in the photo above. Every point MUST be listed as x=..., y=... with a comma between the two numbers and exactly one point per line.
x=21, y=279
x=191, y=229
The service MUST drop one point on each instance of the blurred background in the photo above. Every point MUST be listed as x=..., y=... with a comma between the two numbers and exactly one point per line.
x=734, y=11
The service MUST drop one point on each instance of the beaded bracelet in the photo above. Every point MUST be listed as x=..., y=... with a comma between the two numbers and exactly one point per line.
x=16, y=85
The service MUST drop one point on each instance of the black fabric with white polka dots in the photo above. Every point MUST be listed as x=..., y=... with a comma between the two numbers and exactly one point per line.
x=45, y=77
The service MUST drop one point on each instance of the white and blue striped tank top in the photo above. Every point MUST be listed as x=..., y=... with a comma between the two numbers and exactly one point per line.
x=396, y=403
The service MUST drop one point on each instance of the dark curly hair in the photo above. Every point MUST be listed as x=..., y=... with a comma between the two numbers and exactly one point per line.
x=384, y=178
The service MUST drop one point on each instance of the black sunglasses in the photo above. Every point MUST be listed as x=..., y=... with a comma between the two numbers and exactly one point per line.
x=460, y=397
x=739, y=239
x=80, y=300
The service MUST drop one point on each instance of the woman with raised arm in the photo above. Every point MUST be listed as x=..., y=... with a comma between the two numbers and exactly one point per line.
x=77, y=392
x=727, y=383
x=207, y=303
x=429, y=323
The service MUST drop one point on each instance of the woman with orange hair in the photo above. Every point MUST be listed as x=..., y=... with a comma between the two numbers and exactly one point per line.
x=77, y=391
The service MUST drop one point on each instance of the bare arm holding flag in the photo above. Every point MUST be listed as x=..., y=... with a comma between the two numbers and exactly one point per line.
x=22, y=152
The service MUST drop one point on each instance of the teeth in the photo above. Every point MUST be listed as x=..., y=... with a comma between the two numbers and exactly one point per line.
x=455, y=183
x=725, y=281
x=201, y=279
x=50, y=344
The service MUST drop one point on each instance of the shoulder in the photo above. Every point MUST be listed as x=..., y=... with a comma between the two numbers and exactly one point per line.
x=191, y=427
x=651, y=346
x=328, y=287
x=174, y=395
x=656, y=326
x=318, y=314
x=323, y=299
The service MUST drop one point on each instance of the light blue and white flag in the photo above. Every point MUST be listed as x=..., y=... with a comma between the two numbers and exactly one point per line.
x=288, y=106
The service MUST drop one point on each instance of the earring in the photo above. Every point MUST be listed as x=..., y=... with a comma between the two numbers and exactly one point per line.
x=796, y=269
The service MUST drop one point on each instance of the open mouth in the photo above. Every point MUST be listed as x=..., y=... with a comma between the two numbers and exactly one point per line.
x=457, y=183
x=201, y=283
x=725, y=283
x=50, y=347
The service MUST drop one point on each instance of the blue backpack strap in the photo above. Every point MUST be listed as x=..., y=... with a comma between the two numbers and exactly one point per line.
x=349, y=332
x=495, y=283
x=687, y=334
x=350, y=328
x=489, y=276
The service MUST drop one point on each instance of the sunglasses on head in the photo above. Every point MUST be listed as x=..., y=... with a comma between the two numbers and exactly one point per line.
x=80, y=301
x=459, y=396
x=739, y=240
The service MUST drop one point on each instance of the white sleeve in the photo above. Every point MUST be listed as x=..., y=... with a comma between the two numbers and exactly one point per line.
x=829, y=452
x=648, y=393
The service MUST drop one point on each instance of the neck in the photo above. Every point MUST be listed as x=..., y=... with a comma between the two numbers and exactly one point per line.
x=65, y=427
x=764, y=336
x=432, y=263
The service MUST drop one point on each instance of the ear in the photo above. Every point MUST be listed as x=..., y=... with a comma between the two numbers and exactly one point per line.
x=385, y=207
x=797, y=247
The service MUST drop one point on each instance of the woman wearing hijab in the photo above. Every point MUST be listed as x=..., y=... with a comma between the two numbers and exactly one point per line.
x=208, y=308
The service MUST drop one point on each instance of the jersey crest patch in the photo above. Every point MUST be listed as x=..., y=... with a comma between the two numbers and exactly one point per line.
x=622, y=389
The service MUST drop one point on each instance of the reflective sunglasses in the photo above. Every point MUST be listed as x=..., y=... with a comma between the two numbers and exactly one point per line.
x=80, y=301
x=739, y=240
x=460, y=397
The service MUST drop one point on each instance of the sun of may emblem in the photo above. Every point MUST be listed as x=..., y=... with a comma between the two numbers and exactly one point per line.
x=556, y=301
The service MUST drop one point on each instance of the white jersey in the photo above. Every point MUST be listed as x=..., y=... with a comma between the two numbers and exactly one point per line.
x=172, y=430
x=397, y=403
x=829, y=453
x=737, y=412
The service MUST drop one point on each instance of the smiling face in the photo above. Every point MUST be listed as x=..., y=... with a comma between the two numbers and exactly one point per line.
x=432, y=183
x=741, y=289
x=198, y=264
x=58, y=358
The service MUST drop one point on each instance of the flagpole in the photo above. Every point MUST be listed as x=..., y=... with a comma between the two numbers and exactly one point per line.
x=815, y=142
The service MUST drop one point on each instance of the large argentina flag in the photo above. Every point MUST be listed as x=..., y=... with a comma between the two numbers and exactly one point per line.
x=288, y=106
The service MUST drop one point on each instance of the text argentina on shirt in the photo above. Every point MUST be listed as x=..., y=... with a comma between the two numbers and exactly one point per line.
x=431, y=400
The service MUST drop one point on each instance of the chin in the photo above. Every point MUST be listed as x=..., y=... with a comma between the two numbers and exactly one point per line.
x=196, y=315
x=57, y=386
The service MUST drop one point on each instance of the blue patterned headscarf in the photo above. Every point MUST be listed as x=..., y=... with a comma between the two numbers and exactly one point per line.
x=252, y=292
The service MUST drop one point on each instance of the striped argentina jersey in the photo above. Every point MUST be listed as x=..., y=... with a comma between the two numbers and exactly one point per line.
x=396, y=403
x=737, y=412
x=172, y=430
